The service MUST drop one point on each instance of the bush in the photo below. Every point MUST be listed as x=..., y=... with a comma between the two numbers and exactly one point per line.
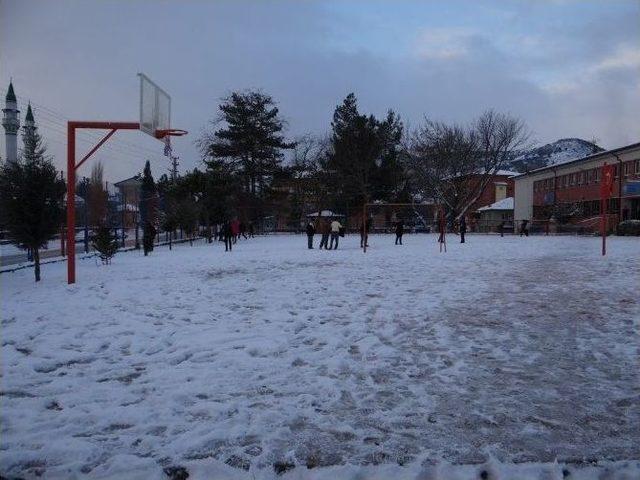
x=629, y=227
x=105, y=243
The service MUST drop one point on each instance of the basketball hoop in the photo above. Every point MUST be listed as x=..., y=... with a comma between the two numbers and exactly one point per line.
x=155, y=120
x=170, y=132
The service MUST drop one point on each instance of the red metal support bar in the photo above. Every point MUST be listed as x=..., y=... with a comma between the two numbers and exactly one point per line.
x=71, y=179
x=92, y=151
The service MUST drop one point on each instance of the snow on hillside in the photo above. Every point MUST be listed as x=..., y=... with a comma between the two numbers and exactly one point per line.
x=399, y=363
x=561, y=151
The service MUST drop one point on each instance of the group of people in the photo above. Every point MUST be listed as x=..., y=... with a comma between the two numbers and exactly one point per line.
x=232, y=230
x=330, y=232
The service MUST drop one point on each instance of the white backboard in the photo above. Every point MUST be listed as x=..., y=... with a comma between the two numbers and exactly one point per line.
x=155, y=107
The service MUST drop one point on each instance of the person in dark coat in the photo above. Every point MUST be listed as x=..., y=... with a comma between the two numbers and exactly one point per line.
x=399, y=232
x=364, y=233
x=311, y=230
x=251, y=229
x=463, y=228
x=227, y=233
x=323, y=229
x=524, y=230
x=501, y=228
x=243, y=230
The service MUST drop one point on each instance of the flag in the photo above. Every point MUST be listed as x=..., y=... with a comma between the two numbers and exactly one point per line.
x=606, y=186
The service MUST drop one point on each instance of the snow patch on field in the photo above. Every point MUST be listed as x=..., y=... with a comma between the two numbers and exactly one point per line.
x=401, y=362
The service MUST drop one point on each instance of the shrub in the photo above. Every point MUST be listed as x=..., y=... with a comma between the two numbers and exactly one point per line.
x=629, y=227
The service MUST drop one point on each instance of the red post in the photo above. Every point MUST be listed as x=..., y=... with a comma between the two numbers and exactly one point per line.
x=71, y=203
x=605, y=193
x=603, y=226
x=71, y=178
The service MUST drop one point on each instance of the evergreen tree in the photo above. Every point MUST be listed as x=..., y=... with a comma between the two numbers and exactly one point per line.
x=31, y=197
x=170, y=217
x=105, y=243
x=364, y=154
x=187, y=215
x=250, y=142
x=148, y=209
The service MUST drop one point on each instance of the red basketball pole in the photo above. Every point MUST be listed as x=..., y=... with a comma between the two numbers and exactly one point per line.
x=71, y=179
x=605, y=193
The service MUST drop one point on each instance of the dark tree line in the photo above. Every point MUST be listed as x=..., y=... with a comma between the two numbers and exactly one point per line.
x=249, y=164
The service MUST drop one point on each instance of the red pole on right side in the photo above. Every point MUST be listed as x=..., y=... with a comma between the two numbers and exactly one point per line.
x=71, y=203
x=603, y=225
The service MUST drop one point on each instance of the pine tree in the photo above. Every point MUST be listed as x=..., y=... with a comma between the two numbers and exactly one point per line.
x=188, y=213
x=364, y=156
x=251, y=141
x=105, y=243
x=31, y=197
x=148, y=209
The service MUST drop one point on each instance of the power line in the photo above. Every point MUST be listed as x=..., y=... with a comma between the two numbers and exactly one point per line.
x=55, y=122
x=59, y=118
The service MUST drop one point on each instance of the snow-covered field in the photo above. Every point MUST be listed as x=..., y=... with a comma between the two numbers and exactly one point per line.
x=399, y=363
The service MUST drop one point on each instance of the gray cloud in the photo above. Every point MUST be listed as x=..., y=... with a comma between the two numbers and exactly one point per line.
x=562, y=74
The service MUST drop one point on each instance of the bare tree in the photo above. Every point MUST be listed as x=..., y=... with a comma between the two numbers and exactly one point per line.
x=306, y=167
x=453, y=164
x=97, y=197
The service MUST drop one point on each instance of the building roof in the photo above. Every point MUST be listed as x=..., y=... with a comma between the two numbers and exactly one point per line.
x=504, y=204
x=135, y=180
x=325, y=213
x=29, y=116
x=507, y=173
x=613, y=151
x=11, y=95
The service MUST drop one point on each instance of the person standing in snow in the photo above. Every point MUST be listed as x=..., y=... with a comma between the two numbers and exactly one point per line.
x=227, y=233
x=524, y=230
x=364, y=233
x=323, y=228
x=251, y=229
x=235, y=229
x=399, y=232
x=501, y=228
x=335, y=234
x=243, y=230
x=463, y=228
x=311, y=230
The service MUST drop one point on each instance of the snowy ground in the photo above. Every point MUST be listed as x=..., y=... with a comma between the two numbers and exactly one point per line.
x=503, y=350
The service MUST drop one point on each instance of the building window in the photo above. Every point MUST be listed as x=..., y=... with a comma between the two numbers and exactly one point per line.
x=580, y=178
x=565, y=181
x=638, y=166
x=553, y=183
x=546, y=185
x=627, y=168
x=596, y=175
x=589, y=176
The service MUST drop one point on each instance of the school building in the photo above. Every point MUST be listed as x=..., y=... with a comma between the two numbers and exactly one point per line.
x=569, y=193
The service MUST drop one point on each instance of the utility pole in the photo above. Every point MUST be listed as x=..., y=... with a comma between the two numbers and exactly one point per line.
x=174, y=167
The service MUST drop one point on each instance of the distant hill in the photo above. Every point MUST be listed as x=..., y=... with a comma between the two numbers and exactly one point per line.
x=560, y=151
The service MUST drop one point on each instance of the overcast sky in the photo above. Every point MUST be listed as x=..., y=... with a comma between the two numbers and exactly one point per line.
x=567, y=68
